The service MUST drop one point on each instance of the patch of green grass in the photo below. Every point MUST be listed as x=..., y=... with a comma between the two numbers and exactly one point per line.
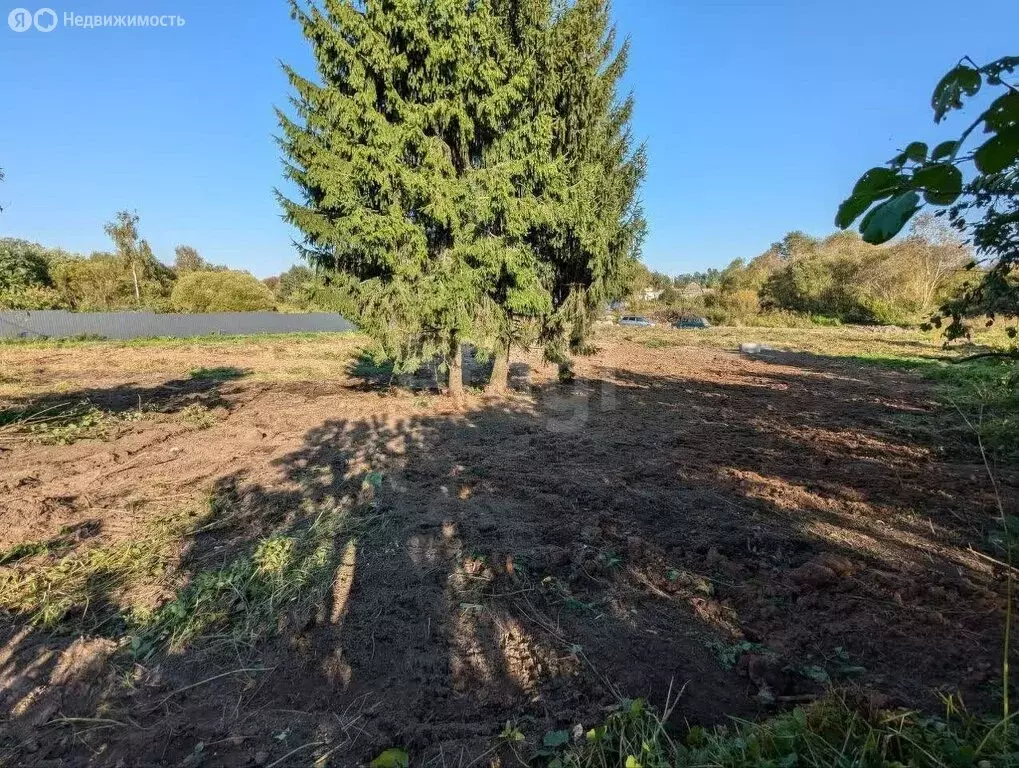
x=88, y=583
x=980, y=400
x=279, y=583
x=659, y=343
x=172, y=342
x=219, y=373
x=24, y=550
x=198, y=416
x=63, y=423
x=828, y=733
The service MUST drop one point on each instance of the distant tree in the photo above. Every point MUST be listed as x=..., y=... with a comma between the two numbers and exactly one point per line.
x=221, y=291
x=660, y=281
x=123, y=231
x=795, y=243
x=933, y=258
x=295, y=284
x=25, y=281
x=187, y=259
x=98, y=283
x=22, y=264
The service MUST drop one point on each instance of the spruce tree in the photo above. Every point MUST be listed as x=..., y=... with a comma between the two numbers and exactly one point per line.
x=599, y=230
x=416, y=157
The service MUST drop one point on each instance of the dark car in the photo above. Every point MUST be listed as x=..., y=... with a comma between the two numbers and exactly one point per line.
x=692, y=322
x=635, y=321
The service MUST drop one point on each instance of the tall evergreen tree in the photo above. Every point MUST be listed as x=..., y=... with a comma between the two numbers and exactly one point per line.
x=415, y=156
x=600, y=226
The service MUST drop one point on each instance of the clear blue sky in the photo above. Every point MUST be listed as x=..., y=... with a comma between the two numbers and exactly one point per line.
x=758, y=115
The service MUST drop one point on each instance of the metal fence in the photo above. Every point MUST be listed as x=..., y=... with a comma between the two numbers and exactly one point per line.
x=58, y=323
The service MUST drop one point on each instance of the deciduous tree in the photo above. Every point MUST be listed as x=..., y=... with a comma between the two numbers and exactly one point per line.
x=221, y=291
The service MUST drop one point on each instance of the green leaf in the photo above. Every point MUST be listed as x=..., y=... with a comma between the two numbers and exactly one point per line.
x=632, y=762
x=885, y=221
x=555, y=739
x=877, y=183
x=391, y=758
x=1003, y=113
x=850, y=210
x=917, y=151
x=961, y=80
x=943, y=150
x=995, y=69
x=999, y=152
x=941, y=183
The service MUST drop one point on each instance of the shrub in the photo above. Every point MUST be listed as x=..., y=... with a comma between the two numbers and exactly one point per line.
x=22, y=265
x=30, y=297
x=226, y=291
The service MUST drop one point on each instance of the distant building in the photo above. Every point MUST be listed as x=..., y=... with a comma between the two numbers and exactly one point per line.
x=652, y=294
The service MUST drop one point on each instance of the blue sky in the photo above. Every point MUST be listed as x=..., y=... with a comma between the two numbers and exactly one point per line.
x=758, y=116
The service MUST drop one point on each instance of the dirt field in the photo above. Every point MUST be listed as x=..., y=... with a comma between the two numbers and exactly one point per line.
x=259, y=554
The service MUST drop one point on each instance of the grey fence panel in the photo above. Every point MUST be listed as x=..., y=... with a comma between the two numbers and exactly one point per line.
x=58, y=323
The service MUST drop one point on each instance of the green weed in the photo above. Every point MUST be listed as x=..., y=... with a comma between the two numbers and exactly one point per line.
x=825, y=734
x=63, y=423
x=23, y=551
x=90, y=582
x=729, y=654
x=198, y=416
x=280, y=582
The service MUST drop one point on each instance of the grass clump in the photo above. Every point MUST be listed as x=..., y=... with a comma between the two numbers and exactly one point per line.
x=88, y=583
x=23, y=551
x=283, y=578
x=827, y=733
x=198, y=416
x=218, y=373
x=63, y=423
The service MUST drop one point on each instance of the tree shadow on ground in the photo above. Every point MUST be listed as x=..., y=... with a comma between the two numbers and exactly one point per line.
x=204, y=386
x=535, y=558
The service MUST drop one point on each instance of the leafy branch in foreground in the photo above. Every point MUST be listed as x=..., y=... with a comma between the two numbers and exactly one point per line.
x=986, y=207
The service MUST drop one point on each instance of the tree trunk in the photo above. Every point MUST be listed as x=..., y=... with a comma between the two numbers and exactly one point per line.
x=456, y=372
x=499, y=380
x=137, y=293
x=566, y=375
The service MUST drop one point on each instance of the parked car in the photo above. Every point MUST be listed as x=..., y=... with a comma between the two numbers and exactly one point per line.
x=635, y=321
x=692, y=322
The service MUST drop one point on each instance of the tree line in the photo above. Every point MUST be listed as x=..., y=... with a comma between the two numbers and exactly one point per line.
x=835, y=279
x=130, y=277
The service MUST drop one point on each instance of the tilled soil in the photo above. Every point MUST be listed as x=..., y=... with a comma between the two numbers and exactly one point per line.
x=745, y=530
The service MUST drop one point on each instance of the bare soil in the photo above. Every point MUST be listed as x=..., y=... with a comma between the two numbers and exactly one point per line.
x=742, y=528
